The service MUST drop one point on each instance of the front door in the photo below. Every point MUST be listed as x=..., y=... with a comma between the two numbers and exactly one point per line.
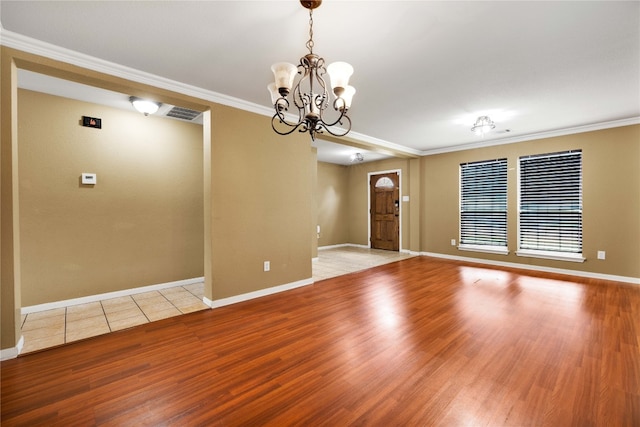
x=385, y=211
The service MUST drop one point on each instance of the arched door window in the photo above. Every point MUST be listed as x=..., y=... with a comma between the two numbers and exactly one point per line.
x=385, y=182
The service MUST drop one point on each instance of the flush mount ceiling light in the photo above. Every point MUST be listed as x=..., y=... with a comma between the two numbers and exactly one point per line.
x=144, y=106
x=356, y=158
x=310, y=95
x=483, y=125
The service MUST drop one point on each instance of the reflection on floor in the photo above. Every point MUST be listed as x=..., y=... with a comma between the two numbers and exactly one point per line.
x=67, y=324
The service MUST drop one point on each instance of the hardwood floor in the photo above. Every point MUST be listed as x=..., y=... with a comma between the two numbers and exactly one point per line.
x=416, y=342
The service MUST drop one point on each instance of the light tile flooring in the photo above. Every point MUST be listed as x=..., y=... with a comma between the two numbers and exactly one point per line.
x=67, y=324
x=347, y=259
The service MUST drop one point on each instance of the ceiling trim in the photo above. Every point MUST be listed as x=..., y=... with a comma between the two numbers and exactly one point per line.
x=30, y=45
x=540, y=135
x=51, y=51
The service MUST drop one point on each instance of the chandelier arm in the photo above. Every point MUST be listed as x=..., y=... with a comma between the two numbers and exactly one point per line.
x=280, y=120
x=338, y=121
x=328, y=127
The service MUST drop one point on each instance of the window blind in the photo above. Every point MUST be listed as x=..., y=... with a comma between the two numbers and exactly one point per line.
x=483, y=204
x=550, y=202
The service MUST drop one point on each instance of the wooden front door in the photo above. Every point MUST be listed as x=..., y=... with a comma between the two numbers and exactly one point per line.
x=385, y=211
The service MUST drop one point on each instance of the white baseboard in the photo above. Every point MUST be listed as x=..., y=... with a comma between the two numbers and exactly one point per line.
x=353, y=245
x=342, y=245
x=588, y=274
x=108, y=295
x=12, y=352
x=410, y=252
x=257, y=294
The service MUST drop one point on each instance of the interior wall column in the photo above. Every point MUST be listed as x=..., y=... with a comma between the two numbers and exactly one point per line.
x=9, y=210
x=208, y=208
x=313, y=163
x=414, y=179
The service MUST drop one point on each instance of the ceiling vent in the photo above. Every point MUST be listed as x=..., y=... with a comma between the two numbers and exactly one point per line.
x=183, y=113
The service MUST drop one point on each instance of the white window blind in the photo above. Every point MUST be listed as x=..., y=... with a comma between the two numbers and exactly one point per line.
x=483, y=205
x=550, y=204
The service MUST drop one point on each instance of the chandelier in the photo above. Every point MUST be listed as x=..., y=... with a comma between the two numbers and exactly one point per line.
x=483, y=125
x=310, y=95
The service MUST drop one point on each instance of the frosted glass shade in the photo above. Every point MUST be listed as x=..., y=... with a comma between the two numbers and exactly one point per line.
x=273, y=90
x=347, y=96
x=284, y=74
x=339, y=72
x=144, y=106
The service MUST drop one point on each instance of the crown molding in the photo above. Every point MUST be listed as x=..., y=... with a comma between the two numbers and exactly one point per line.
x=51, y=51
x=48, y=50
x=539, y=135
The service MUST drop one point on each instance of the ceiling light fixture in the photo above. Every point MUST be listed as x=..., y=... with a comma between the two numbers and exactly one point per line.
x=356, y=158
x=144, y=106
x=483, y=125
x=310, y=95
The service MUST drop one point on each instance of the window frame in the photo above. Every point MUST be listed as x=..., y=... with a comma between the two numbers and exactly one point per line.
x=558, y=255
x=481, y=247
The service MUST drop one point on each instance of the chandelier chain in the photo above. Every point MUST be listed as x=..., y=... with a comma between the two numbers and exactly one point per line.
x=310, y=42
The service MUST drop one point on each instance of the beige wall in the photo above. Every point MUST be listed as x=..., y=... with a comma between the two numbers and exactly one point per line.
x=333, y=204
x=142, y=224
x=611, y=198
x=258, y=194
x=257, y=191
x=261, y=192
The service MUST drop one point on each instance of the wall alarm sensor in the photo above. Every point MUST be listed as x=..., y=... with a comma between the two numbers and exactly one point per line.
x=89, y=178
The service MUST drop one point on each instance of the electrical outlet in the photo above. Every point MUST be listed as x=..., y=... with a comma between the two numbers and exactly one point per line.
x=602, y=255
x=453, y=242
x=267, y=266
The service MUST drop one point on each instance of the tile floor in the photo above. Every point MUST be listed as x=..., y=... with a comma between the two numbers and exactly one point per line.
x=67, y=324
x=347, y=259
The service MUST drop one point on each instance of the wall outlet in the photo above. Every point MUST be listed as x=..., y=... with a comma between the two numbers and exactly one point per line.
x=453, y=242
x=267, y=266
x=602, y=255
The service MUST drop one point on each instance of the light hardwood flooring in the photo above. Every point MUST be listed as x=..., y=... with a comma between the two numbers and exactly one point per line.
x=418, y=342
x=51, y=328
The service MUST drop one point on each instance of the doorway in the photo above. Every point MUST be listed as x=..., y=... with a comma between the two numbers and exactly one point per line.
x=384, y=210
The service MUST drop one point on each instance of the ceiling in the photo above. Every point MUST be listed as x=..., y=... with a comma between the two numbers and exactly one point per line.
x=424, y=70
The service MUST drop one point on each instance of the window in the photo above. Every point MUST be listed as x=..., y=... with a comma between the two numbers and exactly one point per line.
x=483, y=206
x=385, y=182
x=550, y=206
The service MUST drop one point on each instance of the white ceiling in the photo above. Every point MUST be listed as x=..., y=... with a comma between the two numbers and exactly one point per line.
x=424, y=70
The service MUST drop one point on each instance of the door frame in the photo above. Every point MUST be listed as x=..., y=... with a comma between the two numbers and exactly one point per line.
x=369, y=175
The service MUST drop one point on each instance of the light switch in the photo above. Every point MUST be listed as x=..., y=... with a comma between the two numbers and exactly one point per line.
x=89, y=178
